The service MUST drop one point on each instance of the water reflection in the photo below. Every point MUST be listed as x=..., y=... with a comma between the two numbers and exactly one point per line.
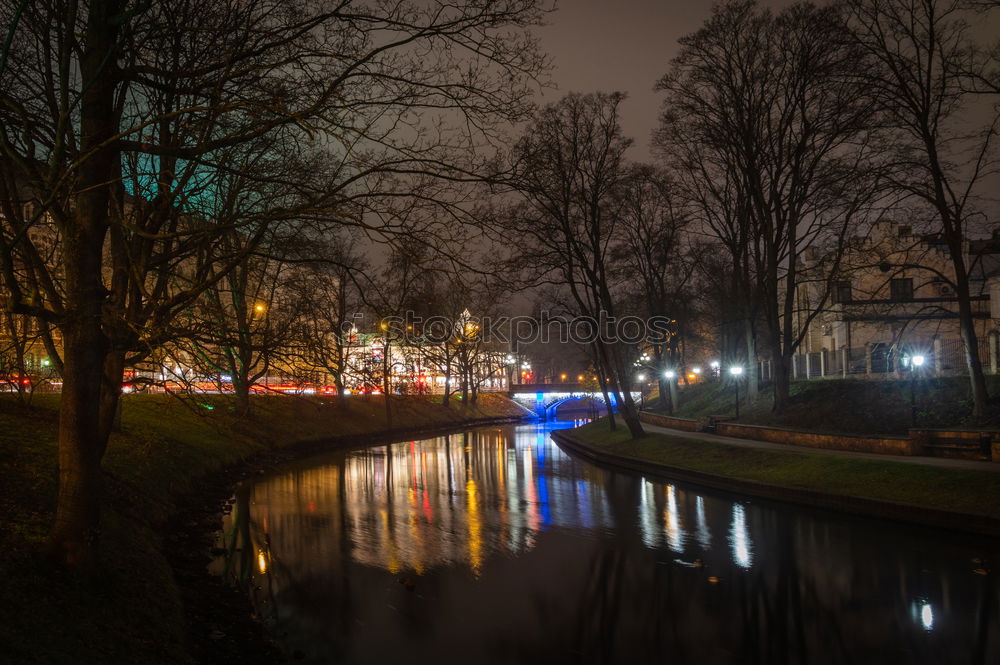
x=496, y=546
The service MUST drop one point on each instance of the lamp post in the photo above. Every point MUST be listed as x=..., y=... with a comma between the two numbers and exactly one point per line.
x=916, y=362
x=735, y=372
x=670, y=398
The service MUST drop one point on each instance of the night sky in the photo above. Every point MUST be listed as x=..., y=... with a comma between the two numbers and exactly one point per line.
x=623, y=45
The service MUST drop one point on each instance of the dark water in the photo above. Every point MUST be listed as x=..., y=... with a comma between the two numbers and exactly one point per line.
x=494, y=546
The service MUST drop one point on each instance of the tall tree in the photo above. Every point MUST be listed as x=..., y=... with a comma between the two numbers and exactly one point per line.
x=119, y=115
x=774, y=99
x=570, y=168
x=654, y=267
x=927, y=70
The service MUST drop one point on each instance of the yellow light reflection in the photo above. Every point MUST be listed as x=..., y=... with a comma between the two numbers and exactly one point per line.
x=262, y=562
x=392, y=563
x=475, y=527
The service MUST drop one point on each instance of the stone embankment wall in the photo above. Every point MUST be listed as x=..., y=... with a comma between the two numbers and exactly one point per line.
x=860, y=444
x=967, y=444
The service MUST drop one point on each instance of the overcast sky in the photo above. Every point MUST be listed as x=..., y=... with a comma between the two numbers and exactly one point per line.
x=623, y=45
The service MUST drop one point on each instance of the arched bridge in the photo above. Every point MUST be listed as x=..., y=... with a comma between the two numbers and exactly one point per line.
x=545, y=398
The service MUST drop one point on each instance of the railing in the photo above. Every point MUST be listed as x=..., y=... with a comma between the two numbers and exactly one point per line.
x=883, y=362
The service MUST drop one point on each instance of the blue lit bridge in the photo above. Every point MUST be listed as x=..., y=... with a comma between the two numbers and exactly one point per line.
x=544, y=399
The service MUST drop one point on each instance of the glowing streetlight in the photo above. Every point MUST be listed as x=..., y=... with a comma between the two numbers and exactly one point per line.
x=916, y=362
x=669, y=374
x=736, y=371
x=926, y=616
x=641, y=377
x=259, y=307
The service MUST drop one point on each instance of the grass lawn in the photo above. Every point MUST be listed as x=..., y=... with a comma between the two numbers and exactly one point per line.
x=130, y=610
x=965, y=491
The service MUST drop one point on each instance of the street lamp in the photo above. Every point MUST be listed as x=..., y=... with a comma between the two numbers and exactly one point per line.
x=916, y=362
x=669, y=374
x=736, y=371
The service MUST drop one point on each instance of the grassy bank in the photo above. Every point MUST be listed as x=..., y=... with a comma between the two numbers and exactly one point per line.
x=846, y=405
x=923, y=487
x=130, y=611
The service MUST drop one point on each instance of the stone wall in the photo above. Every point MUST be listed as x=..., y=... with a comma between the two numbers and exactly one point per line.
x=889, y=445
x=683, y=424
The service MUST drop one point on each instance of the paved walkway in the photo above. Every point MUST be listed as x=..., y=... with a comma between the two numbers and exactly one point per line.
x=940, y=462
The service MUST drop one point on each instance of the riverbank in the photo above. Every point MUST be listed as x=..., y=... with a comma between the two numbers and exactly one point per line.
x=167, y=470
x=962, y=499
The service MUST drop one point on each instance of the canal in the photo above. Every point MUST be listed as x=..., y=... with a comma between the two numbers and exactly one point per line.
x=495, y=546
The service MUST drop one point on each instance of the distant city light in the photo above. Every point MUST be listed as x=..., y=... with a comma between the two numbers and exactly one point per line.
x=641, y=377
x=715, y=364
x=696, y=370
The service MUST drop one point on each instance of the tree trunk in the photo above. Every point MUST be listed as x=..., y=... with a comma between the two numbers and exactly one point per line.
x=241, y=395
x=753, y=370
x=612, y=423
x=970, y=339
x=627, y=408
x=631, y=415
x=82, y=442
x=666, y=394
x=111, y=393
x=782, y=383
x=973, y=362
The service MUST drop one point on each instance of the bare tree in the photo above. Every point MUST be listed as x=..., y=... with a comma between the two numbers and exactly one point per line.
x=773, y=100
x=569, y=170
x=332, y=284
x=120, y=116
x=926, y=68
x=654, y=267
